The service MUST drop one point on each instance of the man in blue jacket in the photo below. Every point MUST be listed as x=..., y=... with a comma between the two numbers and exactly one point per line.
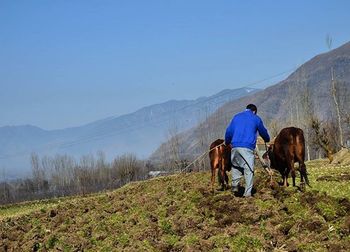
x=241, y=134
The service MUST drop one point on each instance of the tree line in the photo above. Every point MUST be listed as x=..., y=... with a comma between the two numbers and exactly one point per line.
x=63, y=175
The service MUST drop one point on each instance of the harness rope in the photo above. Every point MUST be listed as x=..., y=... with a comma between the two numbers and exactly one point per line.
x=268, y=169
x=206, y=152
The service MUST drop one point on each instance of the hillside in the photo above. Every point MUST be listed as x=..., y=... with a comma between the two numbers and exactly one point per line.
x=179, y=213
x=140, y=132
x=304, y=93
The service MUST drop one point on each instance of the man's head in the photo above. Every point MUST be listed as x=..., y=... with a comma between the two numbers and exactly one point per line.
x=252, y=107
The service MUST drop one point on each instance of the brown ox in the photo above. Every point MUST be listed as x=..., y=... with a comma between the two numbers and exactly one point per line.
x=288, y=148
x=220, y=159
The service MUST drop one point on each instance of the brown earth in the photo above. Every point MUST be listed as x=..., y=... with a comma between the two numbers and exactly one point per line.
x=340, y=177
x=179, y=213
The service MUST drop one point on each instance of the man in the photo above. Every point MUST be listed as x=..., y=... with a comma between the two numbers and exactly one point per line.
x=241, y=134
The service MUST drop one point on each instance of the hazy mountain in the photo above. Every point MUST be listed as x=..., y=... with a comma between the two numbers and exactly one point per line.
x=284, y=104
x=140, y=132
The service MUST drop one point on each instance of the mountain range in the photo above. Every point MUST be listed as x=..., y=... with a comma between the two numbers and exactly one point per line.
x=140, y=132
x=305, y=93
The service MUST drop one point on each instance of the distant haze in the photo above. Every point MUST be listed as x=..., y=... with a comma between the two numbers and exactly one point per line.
x=139, y=133
x=68, y=63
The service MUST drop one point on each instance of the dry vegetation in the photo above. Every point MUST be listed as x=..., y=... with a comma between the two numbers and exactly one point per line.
x=62, y=175
x=178, y=212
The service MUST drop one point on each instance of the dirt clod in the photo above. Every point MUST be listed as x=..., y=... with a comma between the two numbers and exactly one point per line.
x=53, y=213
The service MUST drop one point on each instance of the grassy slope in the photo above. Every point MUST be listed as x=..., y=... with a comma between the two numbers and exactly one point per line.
x=179, y=213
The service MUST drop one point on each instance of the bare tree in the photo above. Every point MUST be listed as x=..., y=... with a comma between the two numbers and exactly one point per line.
x=334, y=95
x=274, y=128
x=204, y=134
x=306, y=111
x=322, y=138
x=329, y=42
x=127, y=168
x=38, y=173
x=174, y=144
x=5, y=192
x=61, y=175
x=103, y=171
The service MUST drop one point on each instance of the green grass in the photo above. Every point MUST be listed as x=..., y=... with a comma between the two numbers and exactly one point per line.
x=27, y=207
x=321, y=168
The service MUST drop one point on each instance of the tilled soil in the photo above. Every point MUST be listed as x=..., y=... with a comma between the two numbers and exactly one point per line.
x=180, y=213
x=340, y=177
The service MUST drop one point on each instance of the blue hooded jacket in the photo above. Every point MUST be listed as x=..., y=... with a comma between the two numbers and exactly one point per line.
x=243, y=129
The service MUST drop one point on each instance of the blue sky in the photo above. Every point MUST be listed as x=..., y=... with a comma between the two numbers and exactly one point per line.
x=67, y=63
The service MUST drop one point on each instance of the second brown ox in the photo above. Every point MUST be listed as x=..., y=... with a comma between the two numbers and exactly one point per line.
x=288, y=148
x=220, y=160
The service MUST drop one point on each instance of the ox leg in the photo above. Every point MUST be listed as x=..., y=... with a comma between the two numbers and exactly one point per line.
x=223, y=173
x=284, y=181
x=226, y=180
x=301, y=176
x=291, y=169
x=221, y=177
x=285, y=178
x=213, y=170
x=293, y=176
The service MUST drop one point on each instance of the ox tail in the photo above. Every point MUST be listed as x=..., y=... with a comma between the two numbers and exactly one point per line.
x=303, y=173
